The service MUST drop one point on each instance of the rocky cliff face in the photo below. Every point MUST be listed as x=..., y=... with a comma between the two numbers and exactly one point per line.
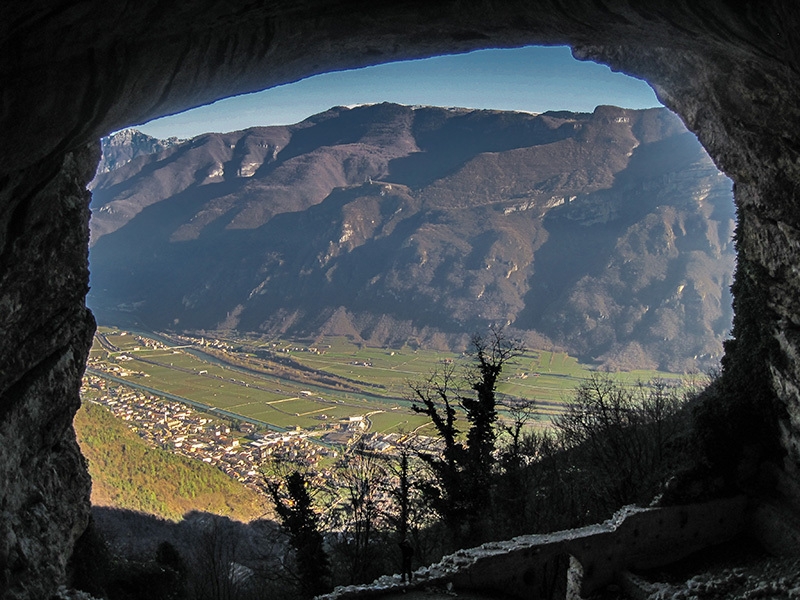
x=122, y=147
x=75, y=72
x=46, y=336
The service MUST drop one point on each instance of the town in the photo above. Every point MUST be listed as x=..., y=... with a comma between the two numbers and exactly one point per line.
x=237, y=447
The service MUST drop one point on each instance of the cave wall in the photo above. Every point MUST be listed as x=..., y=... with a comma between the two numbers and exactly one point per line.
x=75, y=71
x=46, y=336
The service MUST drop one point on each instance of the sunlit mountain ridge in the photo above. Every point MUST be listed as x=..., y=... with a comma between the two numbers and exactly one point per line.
x=605, y=234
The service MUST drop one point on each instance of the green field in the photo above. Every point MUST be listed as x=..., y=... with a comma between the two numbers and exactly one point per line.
x=326, y=381
x=547, y=377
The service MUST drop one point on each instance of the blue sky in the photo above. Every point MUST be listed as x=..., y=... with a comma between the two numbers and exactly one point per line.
x=533, y=79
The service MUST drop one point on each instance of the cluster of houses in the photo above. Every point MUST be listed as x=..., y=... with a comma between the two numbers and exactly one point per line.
x=174, y=426
x=227, y=347
x=201, y=341
x=239, y=449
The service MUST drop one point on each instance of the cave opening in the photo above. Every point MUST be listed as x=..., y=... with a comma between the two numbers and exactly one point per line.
x=580, y=88
x=721, y=68
x=715, y=218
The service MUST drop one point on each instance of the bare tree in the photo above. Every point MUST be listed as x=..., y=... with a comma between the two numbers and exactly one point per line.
x=435, y=398
x=623, y=437
x=417, y=540
x=491, y=353
x=521, y=446
x=462, y=487
x=295, y=509
x=362, y=478
x=215, y=560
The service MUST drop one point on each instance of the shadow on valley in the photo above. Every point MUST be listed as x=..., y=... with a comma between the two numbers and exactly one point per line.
x=126, y=555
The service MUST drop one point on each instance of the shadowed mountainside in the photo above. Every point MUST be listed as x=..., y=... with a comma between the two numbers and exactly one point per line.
x=608, y=234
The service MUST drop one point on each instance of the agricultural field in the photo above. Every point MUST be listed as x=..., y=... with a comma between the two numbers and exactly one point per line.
x=289, y=384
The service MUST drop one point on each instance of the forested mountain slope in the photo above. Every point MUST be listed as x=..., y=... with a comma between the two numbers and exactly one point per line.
x=607, y=234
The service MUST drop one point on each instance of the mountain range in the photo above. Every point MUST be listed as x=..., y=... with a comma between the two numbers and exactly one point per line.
x=605, y=234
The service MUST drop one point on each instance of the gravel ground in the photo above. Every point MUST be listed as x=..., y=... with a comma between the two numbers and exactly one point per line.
x=734, y=571
x=768, y=578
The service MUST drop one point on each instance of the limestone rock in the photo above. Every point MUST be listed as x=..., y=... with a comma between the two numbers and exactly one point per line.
x=45, y=336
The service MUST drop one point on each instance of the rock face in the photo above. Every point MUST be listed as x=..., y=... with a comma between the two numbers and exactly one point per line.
x=122, y=147
x=74, y=72
x=46, y=335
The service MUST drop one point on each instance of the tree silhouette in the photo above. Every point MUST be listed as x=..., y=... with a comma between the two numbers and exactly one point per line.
x=462, y=490
x=296, y=512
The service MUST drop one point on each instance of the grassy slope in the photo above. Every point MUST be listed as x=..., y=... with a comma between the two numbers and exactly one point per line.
x=128, y=473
